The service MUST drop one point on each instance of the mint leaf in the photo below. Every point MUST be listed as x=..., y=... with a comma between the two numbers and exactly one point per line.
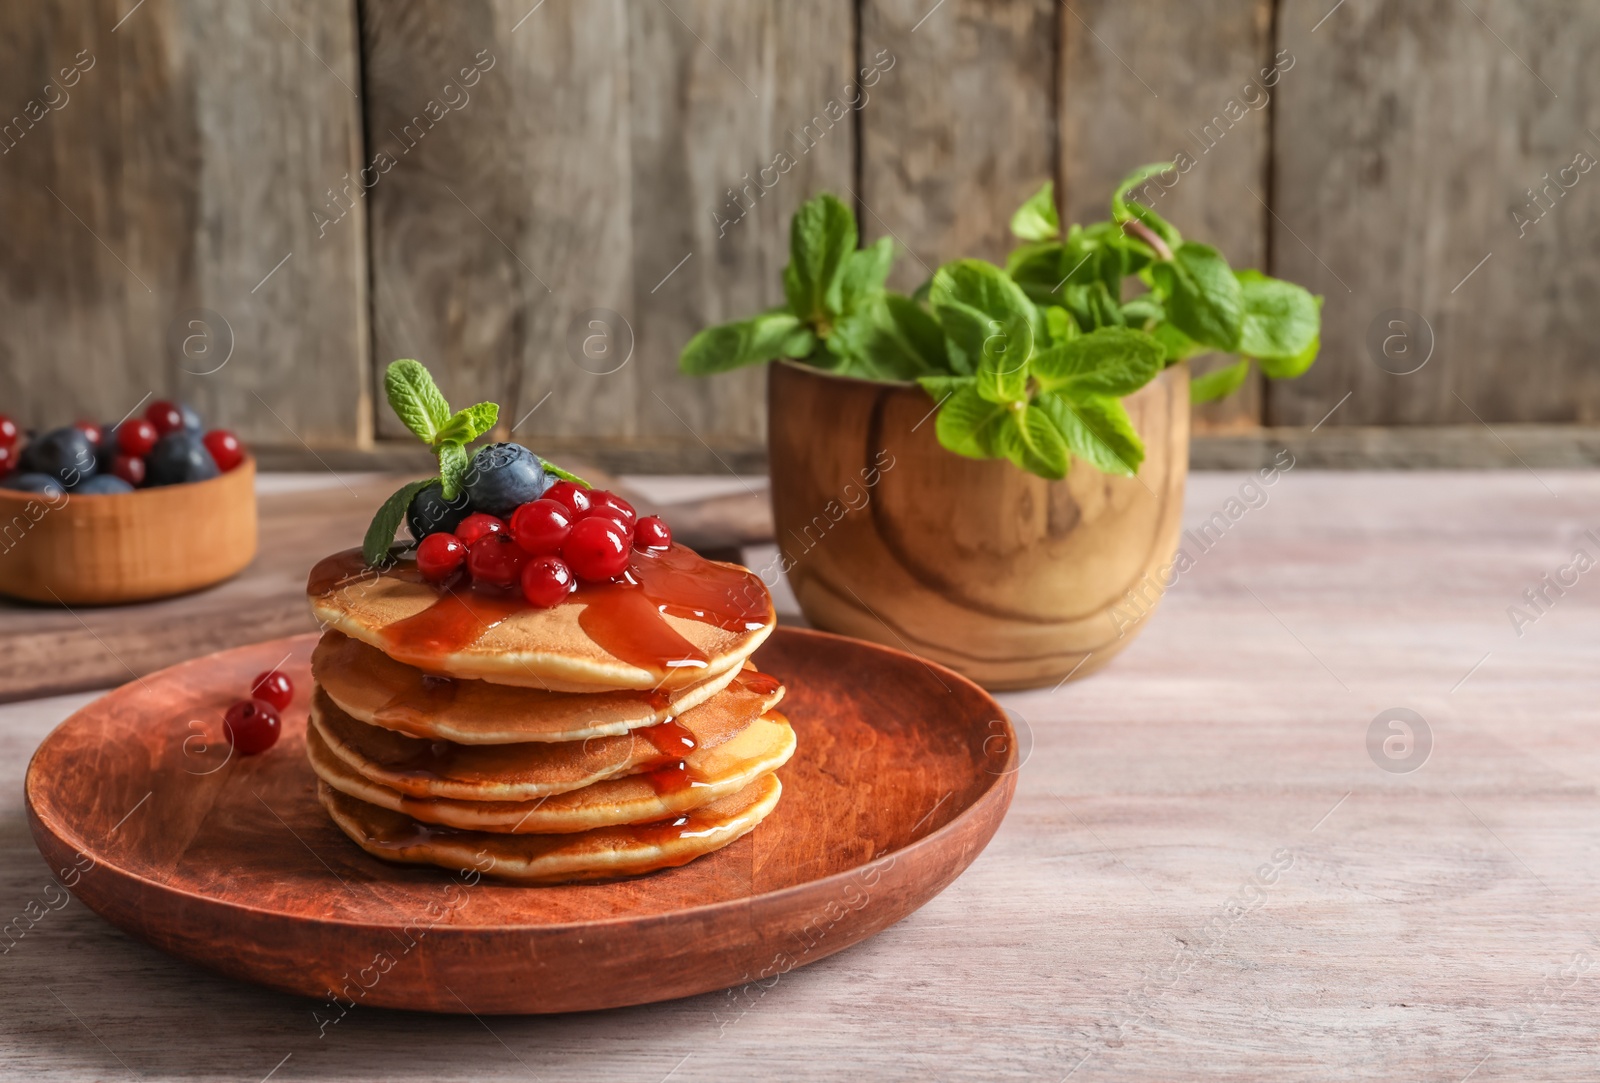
x=416, y=399
x=454, y=464
x=801, y=343
x=988, y=320
x=730, y=345
x=564, y=475
x=1030, y=439
x=865, y=271
x=1280, y=319
x=1059, y=325
x=1097, y=430
x=1036, y=220
x=1203, y=298
x=1109, y=361
x=1287, y=368
x=467, y=425
x=1123, y=209
x=380, y=533
x=1178, y=346
x=968, y=422
x=1219, y=384
x=892, y=338
x=1143, y=311
x=822, y=236
x=942, y=387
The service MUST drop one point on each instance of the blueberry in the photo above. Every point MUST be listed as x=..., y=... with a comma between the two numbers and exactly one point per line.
x=106, y=450
x=431, y=513
x=179, y=457
x=63, y=454
x=191, y=419
x=503, y=476
x=102, y=484
x=34, y=483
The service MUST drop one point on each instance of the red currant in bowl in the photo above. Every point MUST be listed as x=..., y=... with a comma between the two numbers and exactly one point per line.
x=129, y=468
x=136, y=437
x=476, y=526
x=8, y=459
x=575, y=498
x=225, y=449
x=597, y=548
x=495, y=560
x=540, y=526
x=92, y=430
x=546, y=581
x=252, y=726
x=439, y=555
x=652, y=533
x=165, y=416
x=8, y=432
x=274, y=687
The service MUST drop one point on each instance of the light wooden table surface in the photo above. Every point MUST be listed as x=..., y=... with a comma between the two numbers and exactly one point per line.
x=1205, y=873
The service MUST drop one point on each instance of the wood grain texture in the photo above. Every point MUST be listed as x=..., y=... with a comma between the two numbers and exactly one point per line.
x=230, y=861
x=1413, y=936
x=963, y=127
x=1408, y=136
x=1010, y=579
x=1193, y=83
x=178, y=171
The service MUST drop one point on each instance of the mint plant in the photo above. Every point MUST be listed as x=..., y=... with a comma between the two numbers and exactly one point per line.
x=1028, y=363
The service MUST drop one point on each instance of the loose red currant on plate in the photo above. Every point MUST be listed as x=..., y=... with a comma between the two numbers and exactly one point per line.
x=476, y=526
x=8, y=432
x=165, y=416
x=136, y=437
x=652, y=533
x=596, y=549
x=609, y=504
x=439, y=555
x=92, y=430
x=275, y=687
x=540, y=526
x=495, y=560
x=252, y=726
x=546, y=581
x=130, y=468
x=575, y=498
x=225, y=449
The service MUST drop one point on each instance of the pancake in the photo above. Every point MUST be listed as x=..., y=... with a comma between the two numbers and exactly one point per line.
x=681, y=620
x=372, y=687
x=422, y=768
x=704, y=776
x=601, y=854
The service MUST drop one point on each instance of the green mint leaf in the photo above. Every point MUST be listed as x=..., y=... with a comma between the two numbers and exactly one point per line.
x=1059, y=325
x=989, y=321
x=1031, y=440
x=1287, y=368
x=940, y=388
x=747, y=342
x=380, y=533
x=1037, y=220
x=564, y=475
x=893, y=338
x=1124, y=209
x=1097, y=430
x=1178, y=346
x=822, y=235
x=968, y=423
x=454, y=463
x=1143, y=311
x=800, y=344
x=1280, y=319
x=1110, y=361
x=865, y=271
x=1219, y=383
x=416, y=399
x=467, y=425
x=1203, y=298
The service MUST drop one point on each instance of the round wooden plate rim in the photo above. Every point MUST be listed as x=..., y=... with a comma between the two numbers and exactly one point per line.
x=61, y=834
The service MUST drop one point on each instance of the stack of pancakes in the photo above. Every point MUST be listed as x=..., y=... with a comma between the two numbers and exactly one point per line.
x=452, y=730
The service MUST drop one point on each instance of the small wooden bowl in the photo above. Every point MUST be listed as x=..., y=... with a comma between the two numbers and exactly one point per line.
x=127, y=547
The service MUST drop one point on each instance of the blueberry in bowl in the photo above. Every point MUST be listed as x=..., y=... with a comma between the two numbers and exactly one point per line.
x=34, y=482
x=102, y=485
x=179, y=457
x=503, y=477
x=66, y=454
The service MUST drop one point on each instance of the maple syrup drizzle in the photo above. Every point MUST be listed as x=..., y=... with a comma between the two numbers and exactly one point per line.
x=673, y=741
x=760, y=684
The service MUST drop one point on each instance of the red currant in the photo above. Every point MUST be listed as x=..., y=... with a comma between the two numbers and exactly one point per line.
x=8, y=459
x=93, y=431
x=252, y=726
x=8, y=432
x=546, y=581
x=439, y=556
x=602, y=502
x=136, y=437
x=596, y=549
x=165, y=416
x=130, y=468
x=541, y=526
x=652, y=533
x=495, y=560
x=476, y=526
x=225, y=449
x=275, y=687
x=575, y=498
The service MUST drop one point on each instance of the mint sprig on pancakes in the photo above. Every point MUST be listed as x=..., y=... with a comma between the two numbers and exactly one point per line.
x=422, y=408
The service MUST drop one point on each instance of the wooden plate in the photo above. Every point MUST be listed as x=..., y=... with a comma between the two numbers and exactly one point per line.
x=903, y=773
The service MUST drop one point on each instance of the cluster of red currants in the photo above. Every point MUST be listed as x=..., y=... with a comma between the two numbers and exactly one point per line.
x=569, y=534
x=253, y=724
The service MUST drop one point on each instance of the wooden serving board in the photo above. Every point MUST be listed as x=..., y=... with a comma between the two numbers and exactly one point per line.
x=904, y=771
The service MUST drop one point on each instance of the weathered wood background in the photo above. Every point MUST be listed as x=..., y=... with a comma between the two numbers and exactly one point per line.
x=255, y=204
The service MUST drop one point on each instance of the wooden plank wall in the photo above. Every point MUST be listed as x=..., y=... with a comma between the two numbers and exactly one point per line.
x=544, y=200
